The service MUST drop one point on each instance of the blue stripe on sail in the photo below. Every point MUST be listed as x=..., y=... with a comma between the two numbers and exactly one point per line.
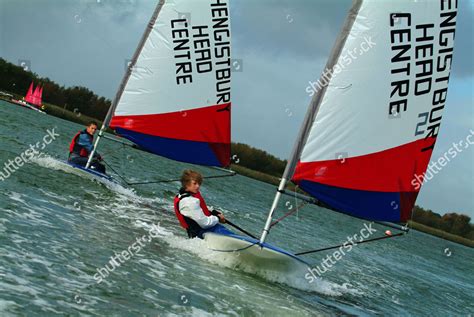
x=377, y=206
x=179, y=150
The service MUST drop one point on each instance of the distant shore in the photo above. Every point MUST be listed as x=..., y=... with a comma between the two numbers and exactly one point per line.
x=440, y=233
x=56, y=111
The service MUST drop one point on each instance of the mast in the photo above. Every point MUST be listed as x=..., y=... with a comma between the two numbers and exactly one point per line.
x=311, y=114
x=125, y=78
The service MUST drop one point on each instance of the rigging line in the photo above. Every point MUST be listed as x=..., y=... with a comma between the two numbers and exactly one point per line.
x=296, y=200
x=124, y=144
x=159, y=181
x=107, y=152
x=137, y=147
x=132, y=145
x=292, y=211
x=177, y=179
x=288, y=214
x=240, y=229
x=113, y=170
x=342, y=245
x=227, y=170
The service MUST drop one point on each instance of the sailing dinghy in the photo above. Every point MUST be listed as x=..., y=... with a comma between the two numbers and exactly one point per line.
x=249, y=251
x=371, y=127
x=174, y=99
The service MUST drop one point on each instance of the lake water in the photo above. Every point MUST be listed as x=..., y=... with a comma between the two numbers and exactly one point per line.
x=57, y=229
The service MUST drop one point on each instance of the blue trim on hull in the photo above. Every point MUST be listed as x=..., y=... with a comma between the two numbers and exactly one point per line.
x=92, y=172
x=179, y=150
x=377, y=206
x=220, y=229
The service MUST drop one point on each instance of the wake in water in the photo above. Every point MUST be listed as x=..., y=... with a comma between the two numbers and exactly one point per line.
x=140, y=210
x=59, y=165
x=296, y=279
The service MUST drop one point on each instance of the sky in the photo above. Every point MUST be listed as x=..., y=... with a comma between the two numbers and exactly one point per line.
x=282, y=45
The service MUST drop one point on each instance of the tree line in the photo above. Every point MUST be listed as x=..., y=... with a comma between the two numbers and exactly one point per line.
x=454, y=223
x=257, y=160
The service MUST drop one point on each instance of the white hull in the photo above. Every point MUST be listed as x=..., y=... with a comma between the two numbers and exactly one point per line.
x=249, y=253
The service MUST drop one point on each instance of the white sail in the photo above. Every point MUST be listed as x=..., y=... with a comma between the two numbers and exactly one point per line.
x=174, y=100
x=179, y=65
x=373, y=121
x=381, y=112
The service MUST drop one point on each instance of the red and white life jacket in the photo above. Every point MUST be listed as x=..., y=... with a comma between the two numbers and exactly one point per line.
x=75, y=148
x=187, y=223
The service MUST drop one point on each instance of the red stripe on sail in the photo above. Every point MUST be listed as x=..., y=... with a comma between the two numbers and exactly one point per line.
x=391, y=170
x=209, y=124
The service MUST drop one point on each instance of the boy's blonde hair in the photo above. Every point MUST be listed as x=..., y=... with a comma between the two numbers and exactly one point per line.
x=190, y=175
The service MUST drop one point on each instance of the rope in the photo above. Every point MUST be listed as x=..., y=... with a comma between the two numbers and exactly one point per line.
x=159, y=181
x=124, y=144
x=342, y=245
x=288, y=214
x=113, y=170
x=176, y=180
x=291, y=211
x=240, y=229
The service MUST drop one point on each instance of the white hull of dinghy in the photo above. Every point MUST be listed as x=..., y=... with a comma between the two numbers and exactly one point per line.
x=248, y=252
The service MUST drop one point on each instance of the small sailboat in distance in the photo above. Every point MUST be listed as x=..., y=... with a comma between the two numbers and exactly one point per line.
x=372, y=124
x=33, y=99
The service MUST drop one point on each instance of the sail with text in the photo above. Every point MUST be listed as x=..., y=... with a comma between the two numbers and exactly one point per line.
x=372, y=125
x=176, y=100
